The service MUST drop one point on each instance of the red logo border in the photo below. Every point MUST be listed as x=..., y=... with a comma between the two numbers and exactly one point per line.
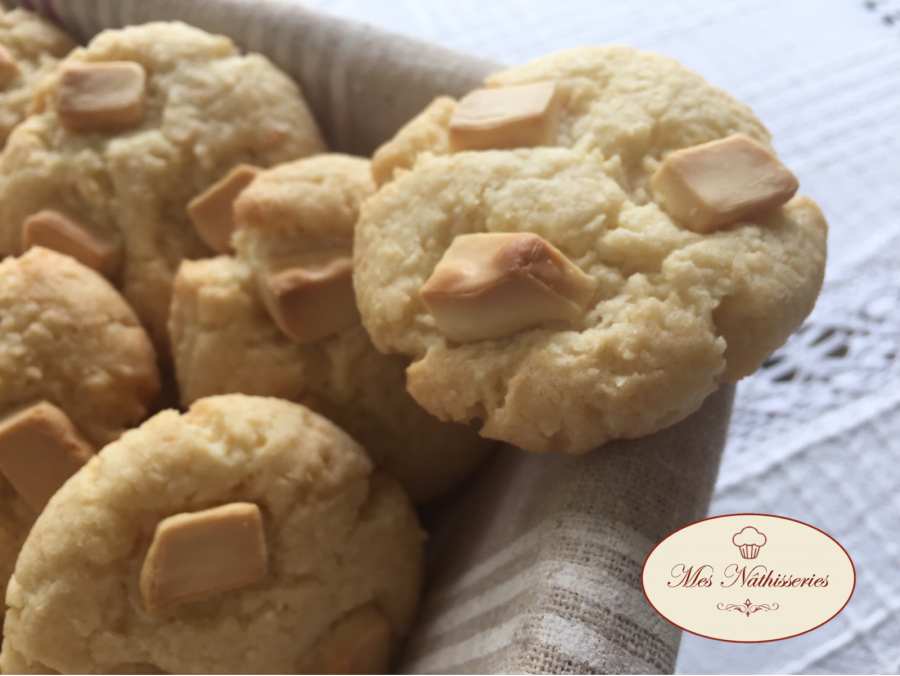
x=769, y=640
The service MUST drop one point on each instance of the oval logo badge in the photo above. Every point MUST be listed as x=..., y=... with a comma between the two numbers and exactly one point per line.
x=748, y=578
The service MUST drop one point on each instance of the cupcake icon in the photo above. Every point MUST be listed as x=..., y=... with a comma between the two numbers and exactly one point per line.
x=749, y=540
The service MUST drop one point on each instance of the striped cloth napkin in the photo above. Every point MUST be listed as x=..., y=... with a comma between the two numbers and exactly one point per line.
x=536, y=566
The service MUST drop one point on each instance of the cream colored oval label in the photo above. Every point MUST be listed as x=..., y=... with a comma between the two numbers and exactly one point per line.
x=748, y=578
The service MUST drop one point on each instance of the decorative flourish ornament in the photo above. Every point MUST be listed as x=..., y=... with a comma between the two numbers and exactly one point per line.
x=746, y=607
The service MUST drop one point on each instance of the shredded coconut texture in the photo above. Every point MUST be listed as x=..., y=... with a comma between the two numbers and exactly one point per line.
x=675, y=312
x=224, y=340
x=67, y=336
x=37, y=46
x=338, y=538
x=208, y=108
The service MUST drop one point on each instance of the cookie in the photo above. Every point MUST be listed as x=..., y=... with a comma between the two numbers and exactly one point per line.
x=67, y=336
x=226, y=338
x=560, y=294
x=30, y=48
x=130, y=129
x=248, y=535
x=76, y=370
x=637, y=106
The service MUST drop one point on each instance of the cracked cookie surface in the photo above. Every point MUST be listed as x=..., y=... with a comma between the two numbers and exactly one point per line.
x=674, y=312
x=339, y=538
x=207, y=108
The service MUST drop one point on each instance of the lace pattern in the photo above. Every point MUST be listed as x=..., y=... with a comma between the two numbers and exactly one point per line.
x=847, y=349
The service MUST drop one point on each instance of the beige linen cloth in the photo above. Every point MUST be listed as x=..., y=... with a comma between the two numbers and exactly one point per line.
x=534, y=567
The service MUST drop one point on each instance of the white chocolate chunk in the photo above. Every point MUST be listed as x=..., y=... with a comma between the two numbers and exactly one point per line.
x=53, y=230
x=309, y=303
x=9, y=69
x=489, y=286
x=360, y=643
x=39, y=450
x=717, y=183
x=507, y=117
x=195, y=555
x=101, y=96
x=211, y=210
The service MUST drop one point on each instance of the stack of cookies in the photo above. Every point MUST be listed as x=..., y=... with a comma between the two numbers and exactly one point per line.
x=580, y=252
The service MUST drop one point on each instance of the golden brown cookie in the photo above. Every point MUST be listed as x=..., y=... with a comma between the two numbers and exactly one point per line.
x=67, y=336
x=30, y=48
x=130, y=129
x=76, y=370
x=569, y=295
x=634, y=105
x=248, y=535
x=227, y=338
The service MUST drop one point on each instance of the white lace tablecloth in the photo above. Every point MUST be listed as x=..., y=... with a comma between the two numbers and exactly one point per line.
x=816, y=433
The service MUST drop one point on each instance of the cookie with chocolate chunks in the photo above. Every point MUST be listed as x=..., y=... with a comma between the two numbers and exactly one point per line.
x=248, y=535
x=125, y=134
x=616, y=167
